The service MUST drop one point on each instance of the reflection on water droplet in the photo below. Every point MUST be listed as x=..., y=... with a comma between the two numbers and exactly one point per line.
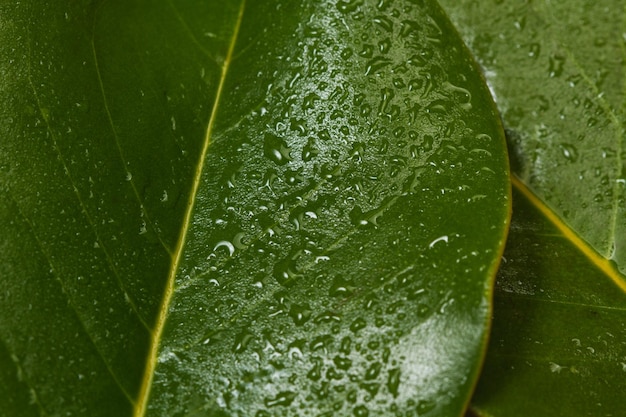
x=439, y=239
x=225, y=244
x=569, y=151
x=282, y=398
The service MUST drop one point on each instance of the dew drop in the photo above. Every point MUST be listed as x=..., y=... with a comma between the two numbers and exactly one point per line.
x=276, y=149
x=361, y=411
x=283, y=398
x=439, y=239
x=300, y=314
x=358, y=324
x=225, y=244
x=393, y=381
x=242, y=341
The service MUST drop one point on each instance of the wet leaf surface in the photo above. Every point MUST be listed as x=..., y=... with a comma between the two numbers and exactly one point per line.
x=557, y=72
x=244, y=209
x=557, y=346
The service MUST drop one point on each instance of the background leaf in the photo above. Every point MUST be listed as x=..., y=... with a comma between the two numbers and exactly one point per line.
x=332, y=252
x=557, y=72
x=558, y=340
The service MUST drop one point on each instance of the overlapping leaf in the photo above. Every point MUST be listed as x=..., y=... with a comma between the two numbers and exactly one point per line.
x=559, y=327
x=274, y=207
x=557, y=72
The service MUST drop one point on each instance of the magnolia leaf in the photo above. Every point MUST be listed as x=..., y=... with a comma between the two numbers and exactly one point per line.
x=244, y=209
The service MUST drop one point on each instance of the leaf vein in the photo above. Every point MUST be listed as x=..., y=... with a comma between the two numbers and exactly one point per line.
x=69, y=299
x=66, y=170
x=144, y=394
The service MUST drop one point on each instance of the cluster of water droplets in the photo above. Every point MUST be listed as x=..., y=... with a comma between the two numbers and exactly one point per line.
x=307, y=264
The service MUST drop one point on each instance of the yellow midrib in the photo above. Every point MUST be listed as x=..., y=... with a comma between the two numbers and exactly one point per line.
x=146, y=385
x=598, y=260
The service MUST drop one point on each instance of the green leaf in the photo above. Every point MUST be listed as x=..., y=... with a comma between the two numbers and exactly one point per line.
x=557, y=72
x=269, y=208
x=557, y=345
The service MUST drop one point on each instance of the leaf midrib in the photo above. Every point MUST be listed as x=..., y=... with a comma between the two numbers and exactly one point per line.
x=599, y=261
x=144, y=393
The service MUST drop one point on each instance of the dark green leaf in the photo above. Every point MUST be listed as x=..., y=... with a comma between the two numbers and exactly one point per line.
x=270, y=208
x=558, y=340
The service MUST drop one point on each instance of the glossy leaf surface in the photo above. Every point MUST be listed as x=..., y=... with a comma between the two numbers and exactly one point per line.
x=219, y=208
x=557, y=72
x=558, y=343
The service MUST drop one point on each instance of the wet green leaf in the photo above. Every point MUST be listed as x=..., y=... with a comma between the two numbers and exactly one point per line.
x=557, y=72
x=556, y=69
x=558, y=340
x=228, y=209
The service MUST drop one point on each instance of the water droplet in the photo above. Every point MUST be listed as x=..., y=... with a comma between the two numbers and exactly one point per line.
x=242, y=341
x=569, y=152
x=424, y=406
x=556, y=368
x=327, y=317
x=373, y=371
x=361, y=411
x=460, y=95
x=358, y=324
x=439, y=239
x=555, y=68
x=286, y=272
x=346, y=345
x=341, y=288
x=316, y=372
x=332, y=373
x=225, y=244
x=321, y=342
x=346, y=53
x=276, y=149
x=282, y=398
x=300, y=314
x=348, y=6
x=393, y=381
x=342, y=362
